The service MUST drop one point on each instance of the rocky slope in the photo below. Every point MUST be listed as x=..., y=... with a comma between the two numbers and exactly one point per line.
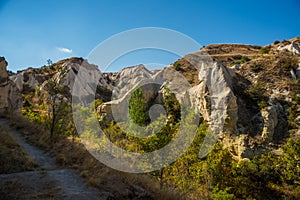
x=248, y=94
x=261, y=84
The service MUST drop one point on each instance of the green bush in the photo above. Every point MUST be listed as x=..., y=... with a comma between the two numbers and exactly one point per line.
x=288, y=61
x=290, y=162
x=264, y=50
x=177, y=66
x=256, y=92
x=221, y=194
x=256, y=68
x=262, y=104
x=243, y=60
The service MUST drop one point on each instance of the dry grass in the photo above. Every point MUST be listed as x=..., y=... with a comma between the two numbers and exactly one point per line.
x=12, y=156
x=46, y=194
x=18, y=188
x=74, y=154
x=9, y=190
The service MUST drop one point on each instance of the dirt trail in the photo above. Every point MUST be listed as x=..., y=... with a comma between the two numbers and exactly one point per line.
x=49, y=182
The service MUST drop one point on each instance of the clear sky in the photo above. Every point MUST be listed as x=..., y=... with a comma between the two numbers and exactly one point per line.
x=32, y=31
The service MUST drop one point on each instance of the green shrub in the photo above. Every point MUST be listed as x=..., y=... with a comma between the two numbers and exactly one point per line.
x=262, y=104
x=243, y=60
x=221, y=194
x=256, y=92
x=290, y=162
x=177, y=66
x=256, y=68
x=264, y=50
x=287, y=62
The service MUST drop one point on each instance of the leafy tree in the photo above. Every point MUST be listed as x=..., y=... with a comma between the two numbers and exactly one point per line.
x=137, y=108
x=53, y=89
x=58, y=99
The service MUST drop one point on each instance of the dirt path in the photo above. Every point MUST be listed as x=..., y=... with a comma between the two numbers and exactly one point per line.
x=50, y=182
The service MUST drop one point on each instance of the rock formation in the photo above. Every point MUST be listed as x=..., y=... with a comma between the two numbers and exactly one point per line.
x=293, y=47
x=244, y=94
x=10, y=97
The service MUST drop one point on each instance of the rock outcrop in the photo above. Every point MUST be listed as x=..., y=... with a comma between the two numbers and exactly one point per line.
x=10, y=97
x=127, y=78
x=83, y=79
x=293, y=47
x=214, y=98
x=65, y=72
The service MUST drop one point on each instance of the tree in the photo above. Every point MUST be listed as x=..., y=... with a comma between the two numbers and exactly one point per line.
x=172, y=106
x=59, y=98
x=137, y=108
x=49, y=62
x=52, y=87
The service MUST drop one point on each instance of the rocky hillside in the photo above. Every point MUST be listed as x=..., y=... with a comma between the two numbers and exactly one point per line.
x=262, y=85
x=248, y=94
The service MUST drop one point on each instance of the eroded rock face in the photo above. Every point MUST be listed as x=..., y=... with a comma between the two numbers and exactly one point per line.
x=87, y=71
x=294, y=47
x=214, y=98
x=65, y=72
x=270, y=117
x=25, y=80
x=82, y=79
x=10, y=97
x=127, y=78
x=3, y=72
x=4, y=86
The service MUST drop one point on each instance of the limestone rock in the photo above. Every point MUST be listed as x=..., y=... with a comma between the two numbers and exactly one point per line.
x=298, y=71
x=82, y=79
x=10, y=97
x=127, y=78
x=214, y=98
x=65, y=72
x=294, y=47
x=270, y=118
x=3, y=72
x=25, y=80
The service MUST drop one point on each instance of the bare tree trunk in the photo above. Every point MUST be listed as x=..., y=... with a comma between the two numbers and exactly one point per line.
x=161, y=177
x=53, y=121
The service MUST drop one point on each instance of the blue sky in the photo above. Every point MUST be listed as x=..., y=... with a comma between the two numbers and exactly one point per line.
x=32, y=31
